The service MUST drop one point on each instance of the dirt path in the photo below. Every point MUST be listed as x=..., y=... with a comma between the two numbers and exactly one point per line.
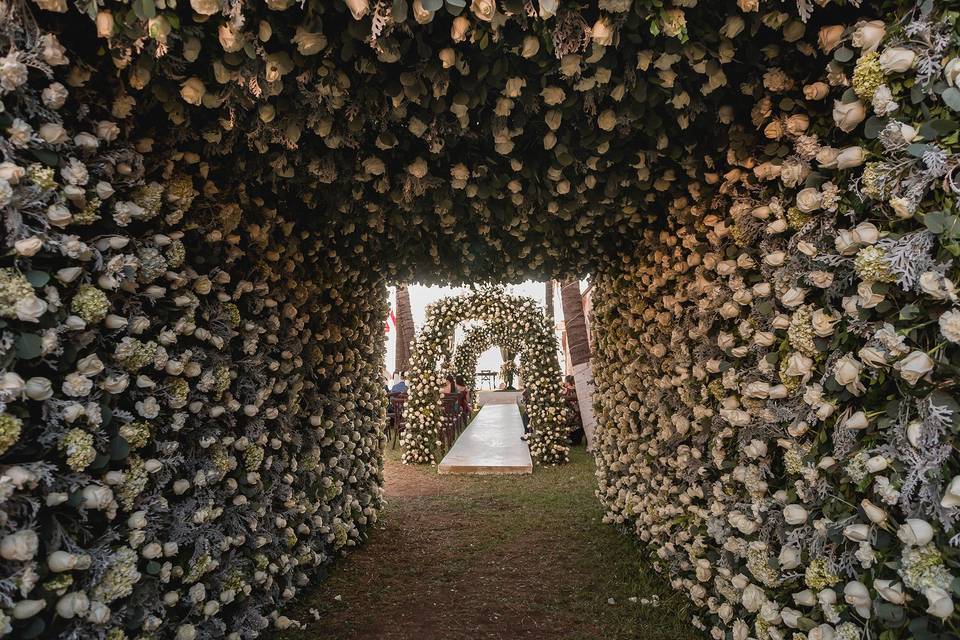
x=458, y=558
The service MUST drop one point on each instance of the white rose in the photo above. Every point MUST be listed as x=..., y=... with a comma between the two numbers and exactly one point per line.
x=848, y=115
x=72, y=604
x=794, y=514
x=952, y=496
x=824, y=322
x=484, y=9
x=855, y=593
x=38, y=388
x=99, y=613
x=205, y=7
x=915, y=532
x=890, y=591
x=897, y=59
x=799, y=365
x=950, y=325
x=857, y=532
x=97, y=497
x=459, y=28
x=11, y=383
x=866, y=233
x=793, y=297
x=868, y=35
x=753, y=598
x=53, y=133
x=874, y=513
x=951, y=72
x=192, y=91
x=548, y=8
x=30, y=309
x=827, y=157
x=851, y=157
x=916, y=365
x=941, y=605
x=857, y=421
x=809, y=199
x=847, y=373
x=358, y=8
x=20, y=546
x=28, y=246
x=59, y=215
x=60, y=561
x=77, y=385
x=937, y=286
x=25, y=609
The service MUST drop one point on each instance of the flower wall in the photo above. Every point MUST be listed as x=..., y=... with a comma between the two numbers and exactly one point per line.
x=190, y=417
x=777, y=373
x=514, y=321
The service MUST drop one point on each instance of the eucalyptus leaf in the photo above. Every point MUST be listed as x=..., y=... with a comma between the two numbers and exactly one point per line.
x=29, y=346
x=951, y=98
x=873, y=126
x=119, y=449
x=399, y=10
x=37, y=278
x=843, y=54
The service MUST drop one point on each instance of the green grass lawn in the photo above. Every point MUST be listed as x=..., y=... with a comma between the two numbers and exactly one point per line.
x=494, y=557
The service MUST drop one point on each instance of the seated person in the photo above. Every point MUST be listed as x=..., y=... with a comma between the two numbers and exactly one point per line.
x=464, y=392
x=401, y=386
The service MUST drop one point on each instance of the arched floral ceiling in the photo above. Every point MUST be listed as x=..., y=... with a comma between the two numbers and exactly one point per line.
x=504, y=140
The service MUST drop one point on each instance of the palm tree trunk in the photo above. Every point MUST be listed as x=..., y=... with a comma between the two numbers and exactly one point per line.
x=578, y=344
x=577, y=340
x=548, y=300
x=405, y=329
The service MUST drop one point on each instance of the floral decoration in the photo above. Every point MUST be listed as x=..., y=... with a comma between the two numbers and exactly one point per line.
x=513, y=321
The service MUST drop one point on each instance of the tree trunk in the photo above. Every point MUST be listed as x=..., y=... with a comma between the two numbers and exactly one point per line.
x=578, y=344
x=548, y=300
x=405, y=329
x=576, y=325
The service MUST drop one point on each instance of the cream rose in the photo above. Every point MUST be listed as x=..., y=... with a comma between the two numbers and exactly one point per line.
x=916, y=365
x=847, y=115
x=484, y=9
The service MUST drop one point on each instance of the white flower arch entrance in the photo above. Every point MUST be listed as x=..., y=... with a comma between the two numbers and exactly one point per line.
x=476, y=340
x=514, y=321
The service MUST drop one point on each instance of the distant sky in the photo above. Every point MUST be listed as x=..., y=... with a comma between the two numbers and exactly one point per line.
x=421, y=296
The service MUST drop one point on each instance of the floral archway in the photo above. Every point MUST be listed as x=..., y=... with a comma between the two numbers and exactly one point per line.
x=476, y=340
x=513, y=320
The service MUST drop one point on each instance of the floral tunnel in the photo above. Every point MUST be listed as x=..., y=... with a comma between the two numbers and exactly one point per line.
x=516, y=322
x=203, y=201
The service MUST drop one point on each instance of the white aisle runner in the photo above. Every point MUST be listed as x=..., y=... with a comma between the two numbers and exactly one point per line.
x=490, y=444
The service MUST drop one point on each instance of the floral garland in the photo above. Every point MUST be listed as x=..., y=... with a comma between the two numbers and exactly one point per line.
x=786, y=445
x=514, y=320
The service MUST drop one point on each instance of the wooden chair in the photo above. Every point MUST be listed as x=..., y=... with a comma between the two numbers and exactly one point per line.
x=395, y=417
